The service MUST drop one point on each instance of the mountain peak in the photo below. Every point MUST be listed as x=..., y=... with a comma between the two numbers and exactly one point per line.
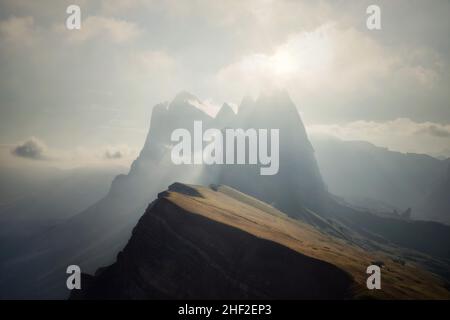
x=225, y=117
x=246, y=103
x=225, y=112
x=188, y=104
x=184, y=96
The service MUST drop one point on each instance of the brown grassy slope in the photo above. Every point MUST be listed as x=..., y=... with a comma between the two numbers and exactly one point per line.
x=230, y=207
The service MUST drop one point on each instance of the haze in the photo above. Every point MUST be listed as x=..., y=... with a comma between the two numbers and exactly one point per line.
x=77, y=98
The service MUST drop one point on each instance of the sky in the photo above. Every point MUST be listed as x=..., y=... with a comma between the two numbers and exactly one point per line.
x=84, y=97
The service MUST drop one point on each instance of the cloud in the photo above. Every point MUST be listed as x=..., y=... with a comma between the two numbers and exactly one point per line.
x=141, y=52
x=401, y=134
x=304, y=58
x=436, y=130
x=113, y=154
x=337, y=59
x=118, y=152
x=150, y=62
x=32, y=148
x=98, y=27
x=119, y=6
x=151, y=74
x=19, y=31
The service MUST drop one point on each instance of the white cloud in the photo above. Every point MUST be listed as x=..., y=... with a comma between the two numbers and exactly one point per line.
x=119, y=6
x=151, y=75
x=331, y=59
x=149, y=61
x=99, y=27
x=142, y=52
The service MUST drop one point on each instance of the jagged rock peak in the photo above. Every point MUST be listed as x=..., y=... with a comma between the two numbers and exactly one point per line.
x=184, y=99
x=185, y=96
x=246, y=103
x=225, y=112
x=186, y=103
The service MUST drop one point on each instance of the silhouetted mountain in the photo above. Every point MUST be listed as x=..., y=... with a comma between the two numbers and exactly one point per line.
x=217, y=243
x=224, y=117
x=298, y=173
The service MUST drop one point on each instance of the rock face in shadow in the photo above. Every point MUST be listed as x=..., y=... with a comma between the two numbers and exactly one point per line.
x=177, y=254
x=298, y=183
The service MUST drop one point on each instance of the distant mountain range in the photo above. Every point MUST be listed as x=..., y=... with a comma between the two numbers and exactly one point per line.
x=436, y=205
x=384, y=180
x=94, y=237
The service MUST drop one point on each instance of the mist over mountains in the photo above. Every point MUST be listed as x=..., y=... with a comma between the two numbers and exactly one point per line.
x=94, y=237
x=385, y=181
x=436, y=205
x=36, y=199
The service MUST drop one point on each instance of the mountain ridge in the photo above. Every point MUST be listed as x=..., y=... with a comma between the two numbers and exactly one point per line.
x=198, y=242
x=93, y=237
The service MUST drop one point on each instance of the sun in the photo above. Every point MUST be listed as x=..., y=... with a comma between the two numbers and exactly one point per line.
x=307, y=54
x=282, y=63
